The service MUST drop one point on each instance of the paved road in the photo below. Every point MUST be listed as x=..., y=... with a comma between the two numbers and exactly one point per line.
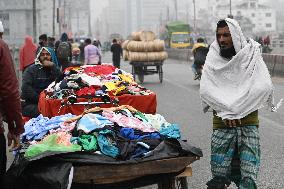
x=178, y=102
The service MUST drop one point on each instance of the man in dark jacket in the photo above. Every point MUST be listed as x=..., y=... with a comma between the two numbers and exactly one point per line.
x=36, y=78
x=10, y=106
x=116, y=53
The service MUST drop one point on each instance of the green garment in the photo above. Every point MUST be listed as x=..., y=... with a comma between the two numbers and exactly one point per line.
x=88, y=142
x=49, y=144
x=251, y=119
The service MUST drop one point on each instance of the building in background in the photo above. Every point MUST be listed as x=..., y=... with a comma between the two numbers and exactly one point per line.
x=17, y=17
x=256, y=18
x=75, y=18
x=17, y=20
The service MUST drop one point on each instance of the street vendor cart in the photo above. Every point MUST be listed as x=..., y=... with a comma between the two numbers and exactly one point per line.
x=102, y=154
x=95, y=171
x=167, y=173
x=143, y=68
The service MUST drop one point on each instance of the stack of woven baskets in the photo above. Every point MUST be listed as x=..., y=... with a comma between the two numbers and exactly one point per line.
x=144, y=47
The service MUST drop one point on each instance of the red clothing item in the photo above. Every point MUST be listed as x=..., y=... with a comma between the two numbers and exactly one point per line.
x=99, y=69
x=10, y=105
x=87, y=91
x=27, y=53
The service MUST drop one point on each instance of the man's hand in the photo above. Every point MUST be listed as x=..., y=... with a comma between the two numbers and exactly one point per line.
x=15, y=139
x=47, y=63
x=232, y=123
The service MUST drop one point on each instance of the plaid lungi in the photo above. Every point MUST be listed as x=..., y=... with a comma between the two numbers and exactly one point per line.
x=231, y=145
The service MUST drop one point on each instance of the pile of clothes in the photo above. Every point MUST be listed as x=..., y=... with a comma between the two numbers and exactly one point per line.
x=122, y=133
x=90, y=80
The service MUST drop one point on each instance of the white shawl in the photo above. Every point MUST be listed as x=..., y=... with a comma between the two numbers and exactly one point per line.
x=235, y=88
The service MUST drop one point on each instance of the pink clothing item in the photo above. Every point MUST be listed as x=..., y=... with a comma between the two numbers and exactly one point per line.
x=92, y=54
x=129, y=122
x=63, y=138
x=27, y=53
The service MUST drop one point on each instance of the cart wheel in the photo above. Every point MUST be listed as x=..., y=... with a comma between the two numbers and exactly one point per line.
x=161, y=74
x=181, y=183
x=133, y=72
x=141, y=77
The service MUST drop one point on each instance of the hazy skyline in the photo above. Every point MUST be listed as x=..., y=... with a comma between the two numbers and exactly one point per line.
x=98, y=5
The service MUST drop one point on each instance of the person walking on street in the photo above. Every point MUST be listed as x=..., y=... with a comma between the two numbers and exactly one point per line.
x=63, y=49
x=10, y=105
x=235, y=84
x=92, y=53
x=27, y=53
x=36, y=78
x=116, y=53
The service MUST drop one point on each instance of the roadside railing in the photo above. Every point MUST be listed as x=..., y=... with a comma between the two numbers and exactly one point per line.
x=275, y=64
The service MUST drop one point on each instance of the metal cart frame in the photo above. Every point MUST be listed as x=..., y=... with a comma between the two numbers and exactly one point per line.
x=141, y=68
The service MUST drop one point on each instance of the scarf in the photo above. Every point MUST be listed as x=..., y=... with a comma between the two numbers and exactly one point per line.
x=235, y=88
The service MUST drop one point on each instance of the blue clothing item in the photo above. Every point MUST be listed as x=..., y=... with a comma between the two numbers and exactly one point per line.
x=54, y=57
x=90, y=122
x=106, y=146
x=52, y=53
x=194, y=68
x=37, y=127
x=139, y=152
x=171, y=131
x=99, y=92
x=130, y=134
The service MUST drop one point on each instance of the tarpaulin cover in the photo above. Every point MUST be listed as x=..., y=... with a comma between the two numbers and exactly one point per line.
x=51, y=107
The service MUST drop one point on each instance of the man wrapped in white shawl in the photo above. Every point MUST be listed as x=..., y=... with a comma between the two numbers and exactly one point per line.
x=236, y=87
x=235, y=83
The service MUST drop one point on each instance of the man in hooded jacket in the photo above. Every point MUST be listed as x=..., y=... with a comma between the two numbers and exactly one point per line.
x=36, y=78
x=235, y=83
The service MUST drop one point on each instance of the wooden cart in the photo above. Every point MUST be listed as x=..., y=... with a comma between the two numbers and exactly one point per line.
x=147, y=68
x=167, y=173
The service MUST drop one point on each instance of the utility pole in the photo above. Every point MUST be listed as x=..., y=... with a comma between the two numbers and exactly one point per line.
x=168, y=13
x=194, y=16
x=89, y=21
x=230, y=16
x=59, y=19
x=53, y=19
x=176, y=10
x=34, y=20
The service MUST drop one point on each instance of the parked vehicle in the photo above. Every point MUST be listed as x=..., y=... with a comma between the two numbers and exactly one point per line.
x=178, y=35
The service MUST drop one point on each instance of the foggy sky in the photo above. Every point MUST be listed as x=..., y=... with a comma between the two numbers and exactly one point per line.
x=97, y=5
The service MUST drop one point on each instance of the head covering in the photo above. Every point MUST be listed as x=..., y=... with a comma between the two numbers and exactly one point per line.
x=52, y=54
x=27, y=53
x=64, y=37
x=1, y=27
x=235, y=88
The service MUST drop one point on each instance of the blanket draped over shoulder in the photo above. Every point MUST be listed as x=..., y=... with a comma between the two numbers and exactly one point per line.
x=234, y=88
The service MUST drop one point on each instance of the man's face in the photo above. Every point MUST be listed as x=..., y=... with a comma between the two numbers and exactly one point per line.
x=44, y=55
x=224, y=38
